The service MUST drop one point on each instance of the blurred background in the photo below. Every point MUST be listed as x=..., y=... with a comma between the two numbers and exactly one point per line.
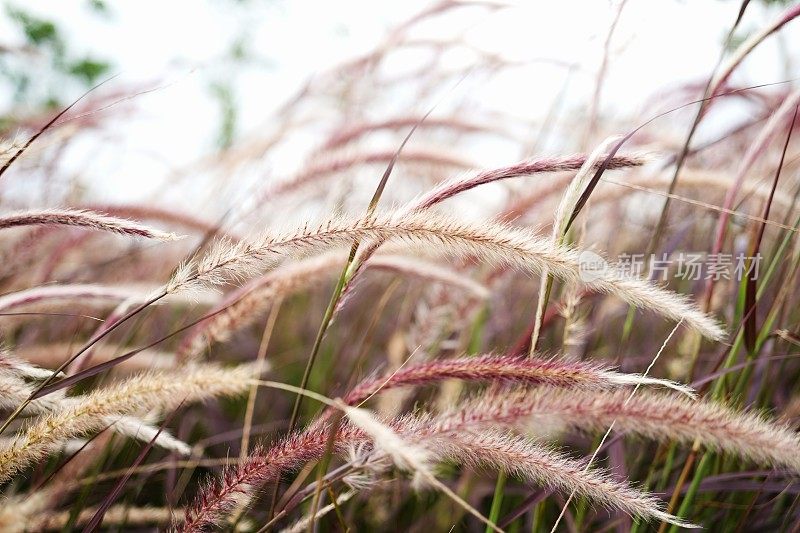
x=210, y=103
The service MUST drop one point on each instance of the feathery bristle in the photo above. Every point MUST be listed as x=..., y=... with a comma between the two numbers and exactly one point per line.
x=84, y=219
x=496, y=243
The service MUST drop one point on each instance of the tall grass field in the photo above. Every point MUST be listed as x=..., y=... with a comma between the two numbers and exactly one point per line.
x=349, y=320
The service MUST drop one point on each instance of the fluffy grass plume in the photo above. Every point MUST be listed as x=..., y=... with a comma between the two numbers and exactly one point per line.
x=456, y=258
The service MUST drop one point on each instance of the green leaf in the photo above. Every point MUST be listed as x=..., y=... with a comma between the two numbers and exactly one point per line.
x=88, y=69
x=37, y=30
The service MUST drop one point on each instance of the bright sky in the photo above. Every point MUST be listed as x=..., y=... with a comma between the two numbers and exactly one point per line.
x=185, y=46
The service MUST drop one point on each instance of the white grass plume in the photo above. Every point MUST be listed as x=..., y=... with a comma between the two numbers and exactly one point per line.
x=14, y=391
x=138, y=395
x=539, y=464
x=563, y=212
x=411, y=457
x=659, y=416
x=14, y=367
x=493, y=242
x=137, y=429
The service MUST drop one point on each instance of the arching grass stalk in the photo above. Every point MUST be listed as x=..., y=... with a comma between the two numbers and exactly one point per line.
x=47, y=381
x=347, y=272
x=681, y=159
x=745, y=338
x=560, y=235
x=613, y=423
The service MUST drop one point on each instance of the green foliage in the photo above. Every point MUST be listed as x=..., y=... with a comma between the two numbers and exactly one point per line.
x=89, y=69
x=226, y=100
x=99, y=6
x=39, y=76
x=38, y=31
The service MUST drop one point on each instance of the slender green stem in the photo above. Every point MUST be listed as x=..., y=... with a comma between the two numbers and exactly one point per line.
x=688, y=499
x=322, y=468
x=538, y=517
x=497, y=500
